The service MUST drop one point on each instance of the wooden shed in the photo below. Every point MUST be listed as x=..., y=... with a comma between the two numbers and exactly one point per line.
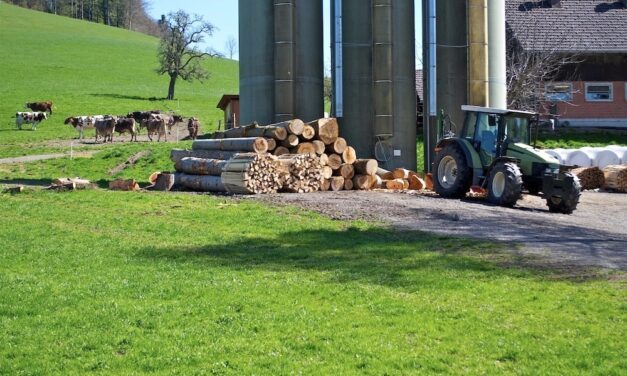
x=229, y=103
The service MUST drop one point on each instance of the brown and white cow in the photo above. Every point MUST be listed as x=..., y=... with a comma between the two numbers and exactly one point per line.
x=193, y=125
x=40, y=106
x=124, y=125
x=105, y=128
x=140, y=116
x=80, y=123
x=32, y=118
x=155, y=125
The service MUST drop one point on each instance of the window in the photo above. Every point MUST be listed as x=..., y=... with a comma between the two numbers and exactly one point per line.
x=599, y=92
x=559, y=92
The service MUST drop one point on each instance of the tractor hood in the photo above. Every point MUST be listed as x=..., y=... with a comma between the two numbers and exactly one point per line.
x=528, y=155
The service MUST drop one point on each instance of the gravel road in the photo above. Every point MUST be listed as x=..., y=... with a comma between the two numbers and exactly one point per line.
x=594, y=236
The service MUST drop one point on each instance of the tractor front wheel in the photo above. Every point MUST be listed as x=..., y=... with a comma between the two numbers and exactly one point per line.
x=452, y=176
x=567, y=202
x=505, y=184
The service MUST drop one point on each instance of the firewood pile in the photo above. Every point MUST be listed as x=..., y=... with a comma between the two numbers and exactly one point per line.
x=616, y=178
x=590, y=177
x=286, y=157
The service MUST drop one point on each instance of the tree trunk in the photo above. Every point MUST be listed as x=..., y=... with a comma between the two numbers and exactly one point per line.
x=171, y=87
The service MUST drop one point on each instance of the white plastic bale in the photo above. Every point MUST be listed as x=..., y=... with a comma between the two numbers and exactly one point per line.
x=621, y=151
x=555, y=154
x=579, y=158
x=606, y=158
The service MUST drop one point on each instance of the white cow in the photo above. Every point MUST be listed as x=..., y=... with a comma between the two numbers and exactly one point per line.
x=32, y=118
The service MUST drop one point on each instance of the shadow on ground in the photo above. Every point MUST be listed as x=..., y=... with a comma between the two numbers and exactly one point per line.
x=402, y=259
x=129, y=97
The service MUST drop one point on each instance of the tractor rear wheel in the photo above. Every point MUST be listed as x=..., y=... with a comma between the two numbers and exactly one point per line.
x=505, y=184
x=567, y=203
x=452, y=176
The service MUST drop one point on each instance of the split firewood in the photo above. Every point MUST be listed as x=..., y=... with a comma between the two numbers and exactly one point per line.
x=304, y=173
x=395, y=184
x=366, y=166
x=247, y=144
x=326, y=130
x=349, y=155
x=251, y=173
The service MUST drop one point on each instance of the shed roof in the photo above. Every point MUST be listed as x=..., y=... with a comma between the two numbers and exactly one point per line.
x=226, y=98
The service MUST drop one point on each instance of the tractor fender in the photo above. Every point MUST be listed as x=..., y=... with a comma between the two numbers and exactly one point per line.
x=472, y=157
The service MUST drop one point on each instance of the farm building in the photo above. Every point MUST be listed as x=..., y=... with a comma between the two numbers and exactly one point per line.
x=229, y=103
x=592, y=92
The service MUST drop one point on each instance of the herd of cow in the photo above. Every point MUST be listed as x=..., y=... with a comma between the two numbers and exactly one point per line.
x=155, y=122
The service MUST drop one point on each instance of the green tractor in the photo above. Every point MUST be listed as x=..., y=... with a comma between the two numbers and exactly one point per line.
x=494, y=152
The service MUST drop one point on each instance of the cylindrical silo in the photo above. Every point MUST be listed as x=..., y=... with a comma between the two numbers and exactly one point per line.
x=256, y=74
x=309, y=60
x=281, y=60
x=378, y=80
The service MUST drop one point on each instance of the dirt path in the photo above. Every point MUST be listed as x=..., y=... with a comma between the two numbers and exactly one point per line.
x=595, y=235
x=42, y=157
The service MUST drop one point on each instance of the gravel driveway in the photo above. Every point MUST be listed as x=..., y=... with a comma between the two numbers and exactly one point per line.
x=595, y=235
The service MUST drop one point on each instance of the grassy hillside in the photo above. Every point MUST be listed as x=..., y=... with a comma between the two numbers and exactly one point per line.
x=87, y=68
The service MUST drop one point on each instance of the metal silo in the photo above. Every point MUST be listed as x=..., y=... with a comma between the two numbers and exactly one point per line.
x=281, y=61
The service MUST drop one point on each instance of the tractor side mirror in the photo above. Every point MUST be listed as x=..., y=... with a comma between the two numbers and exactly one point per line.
x=492, y=120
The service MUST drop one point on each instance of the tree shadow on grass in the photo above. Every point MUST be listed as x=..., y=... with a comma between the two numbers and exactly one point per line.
x=409, y=260
x=130, y=97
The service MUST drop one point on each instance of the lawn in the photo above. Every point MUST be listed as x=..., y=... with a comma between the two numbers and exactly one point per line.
x=126, y=283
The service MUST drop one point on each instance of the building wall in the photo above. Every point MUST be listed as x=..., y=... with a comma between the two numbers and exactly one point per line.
x=580, y=112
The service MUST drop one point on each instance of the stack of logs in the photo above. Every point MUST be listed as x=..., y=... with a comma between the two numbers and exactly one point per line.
x=616, y=178
x=290, y=156
x=589, y=177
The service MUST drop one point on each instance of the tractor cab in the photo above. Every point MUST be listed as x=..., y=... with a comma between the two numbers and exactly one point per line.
x=493, y=151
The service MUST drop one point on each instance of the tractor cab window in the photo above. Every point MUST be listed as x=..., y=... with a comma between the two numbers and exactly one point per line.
x=470, y=126
x=487, y=132
x=517, y=129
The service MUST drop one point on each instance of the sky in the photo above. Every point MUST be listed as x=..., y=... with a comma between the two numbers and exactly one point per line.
x=223, y=15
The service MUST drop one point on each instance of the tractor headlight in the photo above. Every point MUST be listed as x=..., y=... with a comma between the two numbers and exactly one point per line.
x=551, y=171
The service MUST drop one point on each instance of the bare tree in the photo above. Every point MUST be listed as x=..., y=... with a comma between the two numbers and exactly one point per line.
x=231, y=46
x=531, y=68
x=178, y=53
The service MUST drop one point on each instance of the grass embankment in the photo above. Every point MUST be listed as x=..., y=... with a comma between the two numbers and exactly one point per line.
x=179, y=284
x=87, y=68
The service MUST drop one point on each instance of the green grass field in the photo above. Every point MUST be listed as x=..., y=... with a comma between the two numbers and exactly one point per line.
x=87, y=68
x=100, y=282
x=126, y=283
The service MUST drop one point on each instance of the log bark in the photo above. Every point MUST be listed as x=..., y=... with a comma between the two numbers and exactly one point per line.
x=362, y=182
x=202, y=183
x=385, y=174
x=338, y=146
x=319, y=145
x=294, y=126
x=429, y=181
x=337, y=183
x=281, y=150
x=308, y=133
x=326, y=130
x=271, y=144
x=178, y=154
x=246, y=144
x=366, y=166
x=270, y=131
x=335, y=161
x=124, y=185
x=78, y=182
x=349, y=156
x=164, y=182
x=200, y=166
